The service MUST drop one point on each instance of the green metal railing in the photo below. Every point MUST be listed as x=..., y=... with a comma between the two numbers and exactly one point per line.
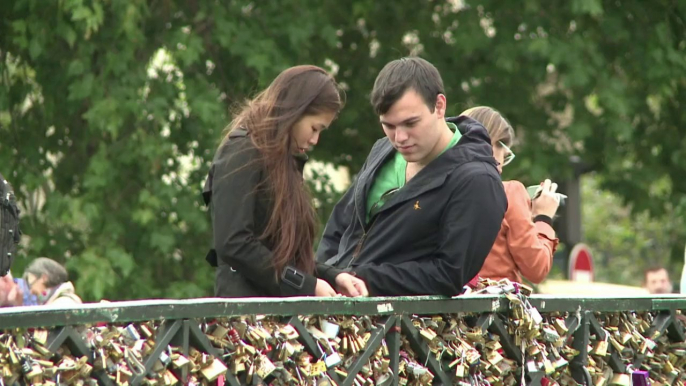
x=396, y=324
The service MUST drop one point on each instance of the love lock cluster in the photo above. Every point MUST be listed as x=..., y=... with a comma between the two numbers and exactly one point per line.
x=261, y=349
x=25, y=357
x=518, y=346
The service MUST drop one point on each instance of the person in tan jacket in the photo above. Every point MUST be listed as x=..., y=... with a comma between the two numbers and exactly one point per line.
x=49, y=280
x=526, y=242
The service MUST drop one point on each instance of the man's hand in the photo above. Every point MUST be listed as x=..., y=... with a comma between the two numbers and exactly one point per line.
x=349, y=285
x=324, y=289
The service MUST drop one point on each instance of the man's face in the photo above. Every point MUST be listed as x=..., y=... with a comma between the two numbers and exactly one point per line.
x=412, y=128
x=657, y=282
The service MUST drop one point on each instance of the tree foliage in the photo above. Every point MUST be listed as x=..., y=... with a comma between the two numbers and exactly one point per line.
x=110, y=111
x=623, y=246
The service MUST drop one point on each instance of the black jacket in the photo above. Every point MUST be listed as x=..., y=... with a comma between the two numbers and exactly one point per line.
x=433, y=235
x=240, y=213
x=9, y=226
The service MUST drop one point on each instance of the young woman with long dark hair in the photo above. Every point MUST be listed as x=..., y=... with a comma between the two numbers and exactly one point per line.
x=263, y=219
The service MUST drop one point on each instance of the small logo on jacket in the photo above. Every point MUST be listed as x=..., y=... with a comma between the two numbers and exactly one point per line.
x=416, y=205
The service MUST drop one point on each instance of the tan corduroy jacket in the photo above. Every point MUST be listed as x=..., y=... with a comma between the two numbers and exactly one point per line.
x=64, y=295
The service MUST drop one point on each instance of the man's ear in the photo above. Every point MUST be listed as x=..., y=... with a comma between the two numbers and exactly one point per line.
x=441, y=105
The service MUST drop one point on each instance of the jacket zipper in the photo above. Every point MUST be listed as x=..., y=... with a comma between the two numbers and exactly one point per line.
x=360, y=243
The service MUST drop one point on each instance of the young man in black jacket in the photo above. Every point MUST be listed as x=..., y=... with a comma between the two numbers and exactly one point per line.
x=428, y=202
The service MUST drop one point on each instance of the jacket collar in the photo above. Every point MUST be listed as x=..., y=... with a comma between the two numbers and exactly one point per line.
x=474, y=145
x=65, y=289
x=300, y=161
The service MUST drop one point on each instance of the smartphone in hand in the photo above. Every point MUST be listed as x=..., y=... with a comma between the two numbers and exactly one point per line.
x=535, y=191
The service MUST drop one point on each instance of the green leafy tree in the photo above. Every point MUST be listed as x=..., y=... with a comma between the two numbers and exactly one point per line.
x=623, y=245
x=110, y=112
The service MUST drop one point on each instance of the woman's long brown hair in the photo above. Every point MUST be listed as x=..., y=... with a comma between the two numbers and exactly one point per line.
x=269, y=119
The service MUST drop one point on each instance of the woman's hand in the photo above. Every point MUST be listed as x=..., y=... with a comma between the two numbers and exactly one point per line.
x=350, y=285
x=547, y=202
x=324, y=289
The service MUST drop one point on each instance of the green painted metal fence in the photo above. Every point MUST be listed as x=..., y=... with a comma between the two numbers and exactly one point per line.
x=466, y=340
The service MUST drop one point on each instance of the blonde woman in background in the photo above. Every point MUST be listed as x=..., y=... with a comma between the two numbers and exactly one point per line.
x=526, y=242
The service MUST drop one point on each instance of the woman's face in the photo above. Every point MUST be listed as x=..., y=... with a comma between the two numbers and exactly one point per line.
x=502, y=154
x=499, y=155
x=36, y=284
x=307, y=129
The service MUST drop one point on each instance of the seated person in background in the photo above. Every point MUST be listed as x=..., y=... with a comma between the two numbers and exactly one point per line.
x=526, y=242
x=656, y=281
x=426, y=206
x=49, y=280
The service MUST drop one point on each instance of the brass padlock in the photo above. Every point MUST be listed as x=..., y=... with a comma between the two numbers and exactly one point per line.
x=601, y=346
x=600, y=380
x=318, y=368
x=428, y=334
x=618, y=346
x=560, y=364
x=560, y=326
x=496, y=371
x=461, y=371
x=265, y=367
x=548, y=366
x=40, y=336
x=621, y=380
x=168, y=378
x=237, y=366
x=494, y=358
x=214, y=370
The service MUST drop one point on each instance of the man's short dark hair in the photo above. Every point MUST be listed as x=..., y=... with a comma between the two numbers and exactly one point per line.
x=401, y=75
